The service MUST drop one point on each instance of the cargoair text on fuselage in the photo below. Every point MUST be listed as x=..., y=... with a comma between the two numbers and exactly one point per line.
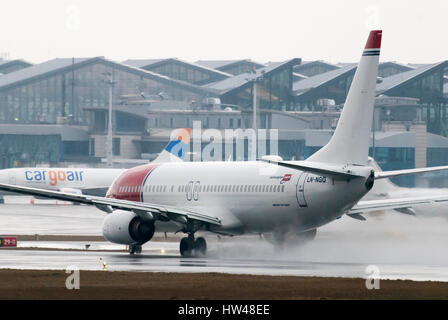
x=60, y=178
x=57, y=178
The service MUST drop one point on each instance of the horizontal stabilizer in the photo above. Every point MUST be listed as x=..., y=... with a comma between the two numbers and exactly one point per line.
x=335, y=171
x=403, y=204
x=395, y=173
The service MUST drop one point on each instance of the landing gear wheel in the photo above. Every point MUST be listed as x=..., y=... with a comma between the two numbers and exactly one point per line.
x=135, y=248
x=186, y=247
x=189, y=247
x=200, y=247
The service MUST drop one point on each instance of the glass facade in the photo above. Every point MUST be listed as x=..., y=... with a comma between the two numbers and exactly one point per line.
x=314, y=68
x=387, y=70
x=273, y=92
x=116, y=146
x=336, y=90
x=240, y=67
x=185, y=72
x=65, y=94
x=436, y=157
x=428, y=88
x=18, y=150
x=396, y=159
x=124, y=122
x=291, y=149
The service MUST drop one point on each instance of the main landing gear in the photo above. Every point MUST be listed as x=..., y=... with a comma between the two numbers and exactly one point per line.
x=191, y=247
x=135, y=248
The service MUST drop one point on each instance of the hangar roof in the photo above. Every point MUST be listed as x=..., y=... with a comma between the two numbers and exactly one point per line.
x=59, y=65
x=302, y=86
x=224, y=64
x=153, y=63
x=240, y=80
x=403, y=78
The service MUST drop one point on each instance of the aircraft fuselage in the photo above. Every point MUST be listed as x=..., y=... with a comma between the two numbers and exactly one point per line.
x=248, y=197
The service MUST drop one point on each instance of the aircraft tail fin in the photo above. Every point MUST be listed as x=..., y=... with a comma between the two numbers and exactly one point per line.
x=350, y=141
x=176, y=148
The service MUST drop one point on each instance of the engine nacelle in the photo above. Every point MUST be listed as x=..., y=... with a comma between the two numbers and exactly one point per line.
x=125, y=227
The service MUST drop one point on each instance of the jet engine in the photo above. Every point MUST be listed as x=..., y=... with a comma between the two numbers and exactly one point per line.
x=125, y=227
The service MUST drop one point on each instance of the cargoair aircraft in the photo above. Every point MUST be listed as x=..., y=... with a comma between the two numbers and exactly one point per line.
x=91, y=181
x=253, y=197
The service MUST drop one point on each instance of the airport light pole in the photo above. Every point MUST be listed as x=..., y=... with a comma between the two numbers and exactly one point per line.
x=254, y=121
x=254, y=97
x=109, y=146
x=254, y=106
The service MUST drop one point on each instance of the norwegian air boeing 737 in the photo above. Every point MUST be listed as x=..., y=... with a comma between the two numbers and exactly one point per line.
x=92, y=181
x=254, y=197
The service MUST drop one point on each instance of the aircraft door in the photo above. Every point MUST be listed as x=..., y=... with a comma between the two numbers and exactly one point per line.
x=301, y=190
x=189, y=191
x=196, y=188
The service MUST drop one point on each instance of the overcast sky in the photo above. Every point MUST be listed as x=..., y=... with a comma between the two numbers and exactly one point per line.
x=262, y=30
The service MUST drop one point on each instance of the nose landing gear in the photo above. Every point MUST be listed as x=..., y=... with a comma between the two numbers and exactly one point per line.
x=191, y=247
x=135, y=248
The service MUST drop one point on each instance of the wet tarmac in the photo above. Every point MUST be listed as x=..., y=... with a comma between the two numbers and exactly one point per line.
x=29, y=219
x=400, y=246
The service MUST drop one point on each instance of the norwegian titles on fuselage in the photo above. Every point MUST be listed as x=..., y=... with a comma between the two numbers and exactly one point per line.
x=53, y=176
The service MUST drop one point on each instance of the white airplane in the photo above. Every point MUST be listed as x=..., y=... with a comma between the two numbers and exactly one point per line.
x=386, y=189
x=253, y=197
x=91, y=181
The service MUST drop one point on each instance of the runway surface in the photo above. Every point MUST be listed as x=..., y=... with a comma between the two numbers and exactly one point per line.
x=400, y=246
x=50, y=219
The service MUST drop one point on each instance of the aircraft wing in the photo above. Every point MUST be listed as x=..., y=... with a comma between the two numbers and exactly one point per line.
x=143, y=209
x=398, y=204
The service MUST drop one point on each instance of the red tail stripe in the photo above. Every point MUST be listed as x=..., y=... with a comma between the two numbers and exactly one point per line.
x=374, y=41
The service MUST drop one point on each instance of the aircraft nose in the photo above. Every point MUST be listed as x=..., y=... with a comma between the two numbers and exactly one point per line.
x=128, y=186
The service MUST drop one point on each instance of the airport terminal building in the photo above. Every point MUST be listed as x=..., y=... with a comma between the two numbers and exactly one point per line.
x=56, y=112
